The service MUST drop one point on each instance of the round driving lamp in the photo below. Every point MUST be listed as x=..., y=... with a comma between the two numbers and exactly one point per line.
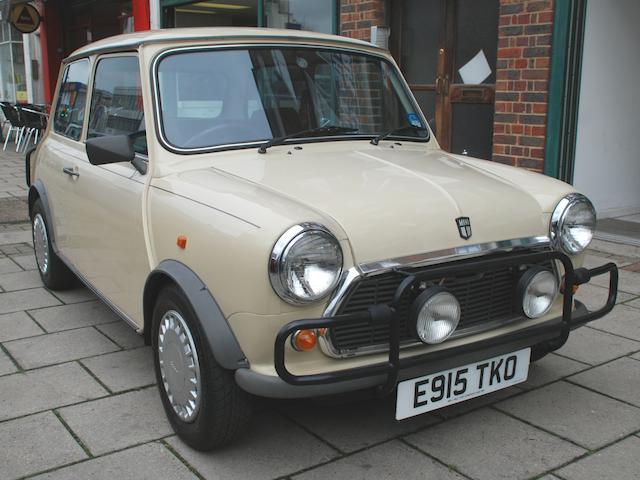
x=435, y=315
x=305, y=264
x=537, y=290
x=573, y=223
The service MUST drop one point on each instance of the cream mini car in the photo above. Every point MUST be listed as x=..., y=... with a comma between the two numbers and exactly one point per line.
x=270, y=210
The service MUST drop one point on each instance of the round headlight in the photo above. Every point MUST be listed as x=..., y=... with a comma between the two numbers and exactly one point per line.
x=305, y=264
x=573, y=223
x=537, y=288
x=436, y=314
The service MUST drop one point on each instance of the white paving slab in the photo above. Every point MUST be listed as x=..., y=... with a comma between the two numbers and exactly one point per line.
x=26, y=299
x=592, y=346
x=489, y=445
x=357, y=424
x=123, y=370
x=274, y=447
x=59, y=347
x=35, y=443
x=66, y=317
x=6, y=367
x=580, y=415
x=390, y=460
x=17, y=325
x=20, y=280
x=119, y=421
x=619, y=379
x=37, y=390
x=620, y=461
x=122, y=334
x=146, y=462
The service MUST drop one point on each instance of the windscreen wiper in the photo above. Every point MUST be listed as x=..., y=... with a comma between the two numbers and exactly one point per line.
x=399, y=130
x=327, y=129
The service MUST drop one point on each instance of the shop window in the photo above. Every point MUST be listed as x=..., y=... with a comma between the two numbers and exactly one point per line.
x=69, y=116
x=313, y=15
x=221, y=13
x=116, y=100
x=13, y=80
x=86, y=21
x=301, y=15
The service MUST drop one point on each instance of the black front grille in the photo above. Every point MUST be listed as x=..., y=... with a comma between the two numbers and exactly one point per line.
x=485, y=297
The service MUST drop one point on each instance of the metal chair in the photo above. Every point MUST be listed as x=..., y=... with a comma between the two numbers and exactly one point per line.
x=34, y=122
x=17, y=126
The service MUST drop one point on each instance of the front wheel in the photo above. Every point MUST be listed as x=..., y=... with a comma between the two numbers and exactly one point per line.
x=203, y=403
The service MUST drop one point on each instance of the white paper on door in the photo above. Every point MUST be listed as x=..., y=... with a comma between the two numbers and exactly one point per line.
x=476, y=70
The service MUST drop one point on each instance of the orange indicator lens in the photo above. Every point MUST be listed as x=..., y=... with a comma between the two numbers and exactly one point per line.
x=181, y=241
x=304, y=340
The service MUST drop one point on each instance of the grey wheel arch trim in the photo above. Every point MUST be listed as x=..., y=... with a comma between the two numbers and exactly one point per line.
x=218, y=334
x=37, y=190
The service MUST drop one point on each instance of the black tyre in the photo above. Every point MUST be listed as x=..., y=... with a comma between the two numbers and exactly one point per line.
x=203, y=403
x=53, y=272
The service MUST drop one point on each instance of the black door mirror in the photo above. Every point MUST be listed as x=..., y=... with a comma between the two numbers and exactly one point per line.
x=110, y=149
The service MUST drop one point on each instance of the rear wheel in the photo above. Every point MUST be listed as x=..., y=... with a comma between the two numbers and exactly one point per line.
x=202, y=401
x=53, y=272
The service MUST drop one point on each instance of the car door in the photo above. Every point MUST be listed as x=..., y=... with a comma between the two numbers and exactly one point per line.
x=107, y=235
x=63, y=150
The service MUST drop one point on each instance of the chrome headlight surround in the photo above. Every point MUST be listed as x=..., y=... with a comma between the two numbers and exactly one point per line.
x=280, y=258
x=562, y=215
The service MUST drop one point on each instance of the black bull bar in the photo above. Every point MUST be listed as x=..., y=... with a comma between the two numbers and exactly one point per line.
x=386, y=313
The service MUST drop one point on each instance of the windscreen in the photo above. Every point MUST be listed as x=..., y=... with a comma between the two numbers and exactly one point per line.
x=235, y=97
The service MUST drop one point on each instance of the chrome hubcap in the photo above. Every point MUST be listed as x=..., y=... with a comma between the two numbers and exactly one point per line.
x=41, y=243
x=179, y=366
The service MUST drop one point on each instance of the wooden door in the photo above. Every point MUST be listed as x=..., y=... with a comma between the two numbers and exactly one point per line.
x=434, y=42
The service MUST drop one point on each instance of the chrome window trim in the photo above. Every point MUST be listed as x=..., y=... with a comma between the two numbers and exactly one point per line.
x=257, y=143
x=352, y=276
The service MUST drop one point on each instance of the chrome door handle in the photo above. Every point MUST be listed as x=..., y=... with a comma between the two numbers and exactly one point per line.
x=70, y=171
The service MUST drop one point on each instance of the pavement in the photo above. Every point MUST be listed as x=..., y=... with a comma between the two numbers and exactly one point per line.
x=78, y=399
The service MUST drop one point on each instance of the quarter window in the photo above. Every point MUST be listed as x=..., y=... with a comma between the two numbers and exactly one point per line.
x=116, y=101
x=72, y=98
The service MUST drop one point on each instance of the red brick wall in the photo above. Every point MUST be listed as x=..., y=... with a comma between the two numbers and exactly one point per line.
x=358, y=16
x=524, y=50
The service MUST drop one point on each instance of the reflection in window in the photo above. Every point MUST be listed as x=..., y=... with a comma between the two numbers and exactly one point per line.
x=207, y=13
x=72, y=98
x=310, y=15
x=263, y=93
x=116, y=101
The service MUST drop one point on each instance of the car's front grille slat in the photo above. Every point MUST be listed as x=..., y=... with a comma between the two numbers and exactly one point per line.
x=484, y=298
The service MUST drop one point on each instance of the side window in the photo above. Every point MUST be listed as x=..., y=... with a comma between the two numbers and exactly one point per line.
x=116, y=101
x=72, y=98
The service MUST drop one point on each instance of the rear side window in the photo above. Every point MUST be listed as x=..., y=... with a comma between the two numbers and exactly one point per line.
x=116, y=101
x=72, y=98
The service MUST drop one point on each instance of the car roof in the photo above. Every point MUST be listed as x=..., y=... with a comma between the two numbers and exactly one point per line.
x=132, y=41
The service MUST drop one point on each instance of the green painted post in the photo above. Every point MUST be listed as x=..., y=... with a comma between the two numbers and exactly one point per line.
x=557, y=87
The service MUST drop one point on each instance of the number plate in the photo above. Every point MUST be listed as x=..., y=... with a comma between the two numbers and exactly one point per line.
x=437, y=390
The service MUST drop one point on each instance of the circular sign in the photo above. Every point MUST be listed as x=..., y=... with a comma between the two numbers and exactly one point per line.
x=25, y=18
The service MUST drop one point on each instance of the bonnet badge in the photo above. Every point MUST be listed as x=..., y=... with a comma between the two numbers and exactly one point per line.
x=464, y=227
